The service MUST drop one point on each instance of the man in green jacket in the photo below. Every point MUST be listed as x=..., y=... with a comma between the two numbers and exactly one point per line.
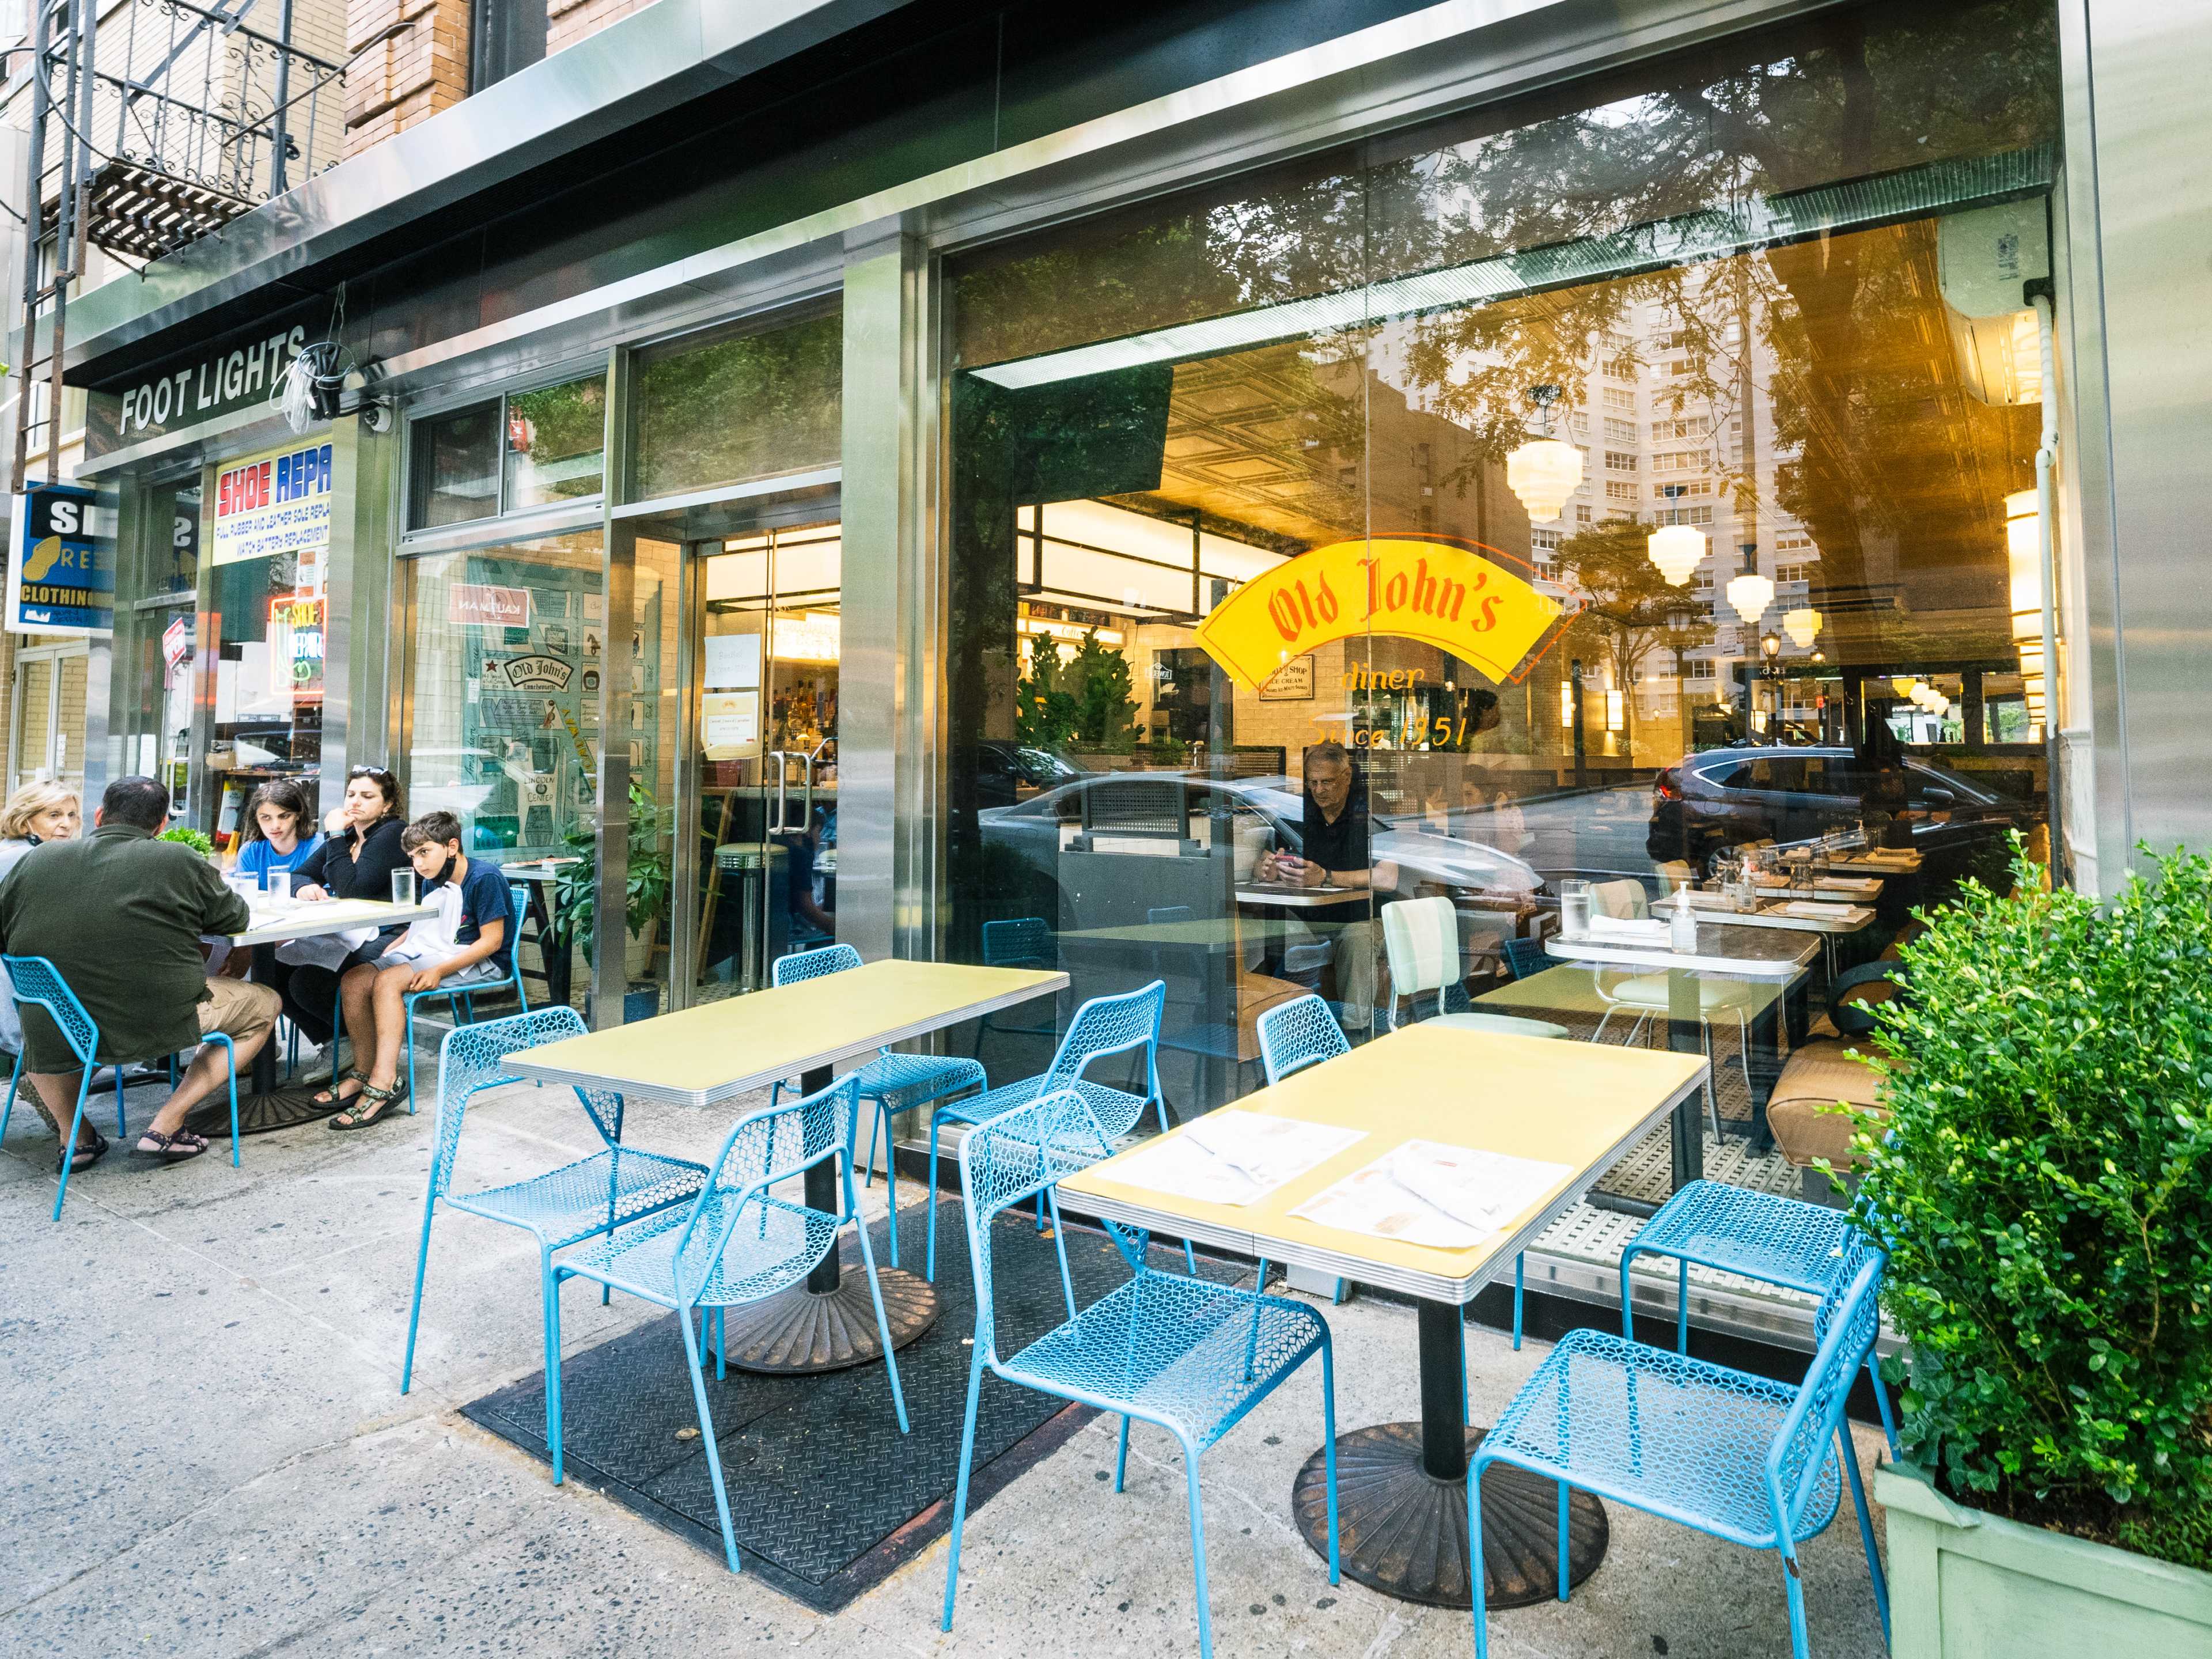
x=120, y=914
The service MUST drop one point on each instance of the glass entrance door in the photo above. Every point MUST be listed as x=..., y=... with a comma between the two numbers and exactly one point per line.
x=764, y=695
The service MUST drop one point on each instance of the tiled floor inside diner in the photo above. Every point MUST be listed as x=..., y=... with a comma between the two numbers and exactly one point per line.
x=209, y=1455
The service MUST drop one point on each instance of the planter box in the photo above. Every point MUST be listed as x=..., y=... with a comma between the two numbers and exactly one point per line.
x=1966, y=1585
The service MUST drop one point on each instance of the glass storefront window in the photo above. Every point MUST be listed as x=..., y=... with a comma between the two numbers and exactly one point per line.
x=1250, y=553
x=503, y=673
x=746, y=405
x=556, y=444
x=527, y=449
x=150, y=725
x=455, y=471
x=263, y=631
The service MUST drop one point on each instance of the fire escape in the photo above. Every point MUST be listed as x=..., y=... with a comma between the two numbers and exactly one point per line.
x=161, y=124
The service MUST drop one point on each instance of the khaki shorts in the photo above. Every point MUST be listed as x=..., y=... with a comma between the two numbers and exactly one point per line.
x=238, y=1008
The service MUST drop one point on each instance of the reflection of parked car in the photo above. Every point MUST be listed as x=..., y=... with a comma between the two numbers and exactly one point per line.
x=1725, y=797
x=1032, y=833
x=1008, y=772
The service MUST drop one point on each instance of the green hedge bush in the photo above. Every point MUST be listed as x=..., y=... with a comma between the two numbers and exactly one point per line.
x=2046, y=1200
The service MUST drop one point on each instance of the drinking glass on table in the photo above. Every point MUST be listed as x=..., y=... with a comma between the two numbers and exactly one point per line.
x=402, y=886
x=1574, y=909
x=279, y=883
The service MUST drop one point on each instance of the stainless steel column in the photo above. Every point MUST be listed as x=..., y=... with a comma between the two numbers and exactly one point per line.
x=361, y=715
x=2137, y=219
x=887, y=704
x=611, y=786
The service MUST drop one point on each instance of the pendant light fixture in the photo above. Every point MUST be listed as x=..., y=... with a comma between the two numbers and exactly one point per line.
x=1544, y=471
x=1902, y=685
x=1677, y=549
x=1802, y=625
x=1751, y=594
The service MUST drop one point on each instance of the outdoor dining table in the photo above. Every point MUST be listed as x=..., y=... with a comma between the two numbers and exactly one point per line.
x=275, y=922
x=1402, y=1488
x=707, y=1056
x=1727, y=951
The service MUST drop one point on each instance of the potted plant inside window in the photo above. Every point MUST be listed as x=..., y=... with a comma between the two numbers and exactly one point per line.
x=2042, y=1177
x=575, y=896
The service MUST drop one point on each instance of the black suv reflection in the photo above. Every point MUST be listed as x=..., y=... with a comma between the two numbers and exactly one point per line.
x=1725, y=797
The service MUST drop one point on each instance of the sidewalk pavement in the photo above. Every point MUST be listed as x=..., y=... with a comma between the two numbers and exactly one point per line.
x=207, y=1454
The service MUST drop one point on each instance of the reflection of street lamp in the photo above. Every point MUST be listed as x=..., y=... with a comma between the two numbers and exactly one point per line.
x=1770, y=648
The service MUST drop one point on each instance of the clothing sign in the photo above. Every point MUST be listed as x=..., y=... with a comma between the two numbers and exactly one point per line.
x=275, y=503
x=472, y=604
x=60, y=575
x=1438, y=592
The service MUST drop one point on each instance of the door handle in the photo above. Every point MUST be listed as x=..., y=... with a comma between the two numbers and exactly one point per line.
x=775, y=822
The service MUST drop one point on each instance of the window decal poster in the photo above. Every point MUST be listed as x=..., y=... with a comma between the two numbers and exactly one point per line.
x=60, y=575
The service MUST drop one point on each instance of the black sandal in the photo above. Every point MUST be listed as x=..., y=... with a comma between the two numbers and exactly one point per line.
x=172, y=1149
x=80, y=1157
x=379, y=1104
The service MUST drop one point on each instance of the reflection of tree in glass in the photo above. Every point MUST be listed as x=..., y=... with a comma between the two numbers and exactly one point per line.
x=1628, y=610
x=742, y=407
x=564, y=422
x=1826, y=321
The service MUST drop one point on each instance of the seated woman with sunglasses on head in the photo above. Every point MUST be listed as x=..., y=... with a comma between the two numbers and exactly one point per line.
x=355, y=860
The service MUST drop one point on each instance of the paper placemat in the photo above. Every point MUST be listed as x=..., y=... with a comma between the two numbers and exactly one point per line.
x=1423, y=1192
x=1230, y=1157
x=1813, y=910
x=1615, y=930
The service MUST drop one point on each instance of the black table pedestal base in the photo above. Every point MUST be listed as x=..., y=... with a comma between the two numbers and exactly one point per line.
x=1402, y=1531
x=802, y=1331
x=259, y=1113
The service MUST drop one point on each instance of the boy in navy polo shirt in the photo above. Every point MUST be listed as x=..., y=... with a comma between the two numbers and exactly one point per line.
x=465, y=943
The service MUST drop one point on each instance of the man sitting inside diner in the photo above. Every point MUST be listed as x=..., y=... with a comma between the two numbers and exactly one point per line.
x=464, y=944
x=121, y=915
x=1333, y=853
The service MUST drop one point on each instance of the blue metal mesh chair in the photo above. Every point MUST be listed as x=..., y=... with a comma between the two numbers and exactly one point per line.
x=1762, y=1235
x=1021, y=942
x=34, y=980
x=461, y=999
x=1745, y=1459
x=738, y=1242
x=1101, y=1026
x=1189, y=1355
x=896, y=1082
x=1525, y=958
x=592, y=1196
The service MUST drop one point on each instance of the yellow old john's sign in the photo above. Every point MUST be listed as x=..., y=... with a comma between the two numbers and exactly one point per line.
x=1433, y=592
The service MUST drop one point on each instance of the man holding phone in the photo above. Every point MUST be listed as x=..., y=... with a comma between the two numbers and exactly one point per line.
x=1334, y=853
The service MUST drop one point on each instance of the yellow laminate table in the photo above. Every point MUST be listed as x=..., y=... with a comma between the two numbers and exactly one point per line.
x=705, y=1056
x=1402, y=1491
